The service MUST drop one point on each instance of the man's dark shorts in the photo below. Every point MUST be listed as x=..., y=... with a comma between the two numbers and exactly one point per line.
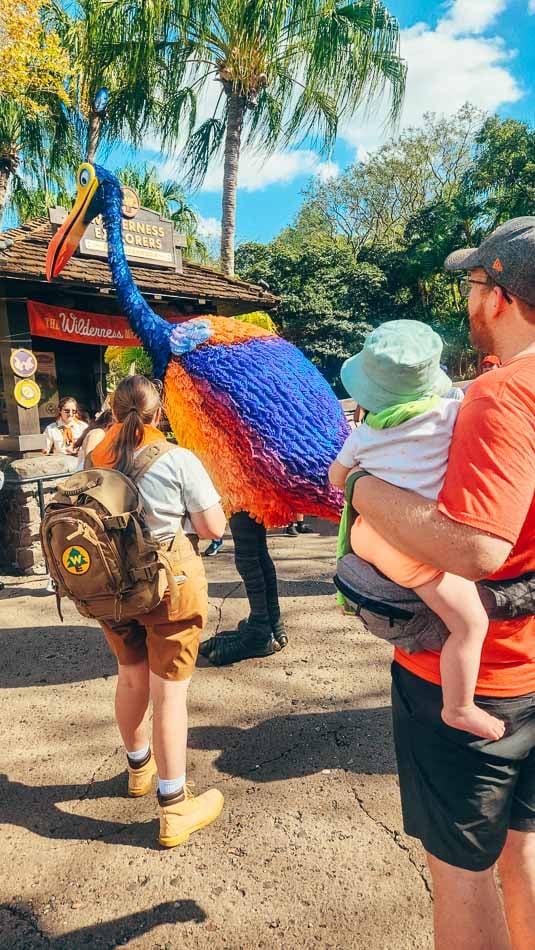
x=461, y=794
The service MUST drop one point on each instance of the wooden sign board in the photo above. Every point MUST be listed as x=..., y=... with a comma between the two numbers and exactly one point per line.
x=149, y=239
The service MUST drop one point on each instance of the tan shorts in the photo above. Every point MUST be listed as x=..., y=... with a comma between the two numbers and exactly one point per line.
x=171, y=646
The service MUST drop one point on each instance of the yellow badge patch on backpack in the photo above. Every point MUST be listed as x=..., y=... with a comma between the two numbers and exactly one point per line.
x=76, y=559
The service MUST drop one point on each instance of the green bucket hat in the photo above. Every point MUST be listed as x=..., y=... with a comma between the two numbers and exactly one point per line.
x=399, y=363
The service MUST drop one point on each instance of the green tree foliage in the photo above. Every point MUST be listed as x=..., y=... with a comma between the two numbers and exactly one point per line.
x=370, y=245
x=168, y=200
x=37, y=149
x=125, y=361
x=86, y=30
x=375, y=200
x=502, y=177
x=287, y=69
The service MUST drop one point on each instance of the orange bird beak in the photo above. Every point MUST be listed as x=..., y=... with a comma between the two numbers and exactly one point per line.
x=67, y=239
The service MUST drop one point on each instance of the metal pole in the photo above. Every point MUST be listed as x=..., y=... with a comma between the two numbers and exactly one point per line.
x=41, y=494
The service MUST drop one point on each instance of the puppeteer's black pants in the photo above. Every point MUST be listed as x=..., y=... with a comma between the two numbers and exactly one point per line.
x=257, y=570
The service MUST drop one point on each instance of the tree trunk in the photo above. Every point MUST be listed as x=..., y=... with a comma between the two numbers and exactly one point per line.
x=93, y=136
x=5, y=175
x=236, y=111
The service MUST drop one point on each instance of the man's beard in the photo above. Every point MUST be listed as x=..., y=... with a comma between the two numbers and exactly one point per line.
x=480, y=335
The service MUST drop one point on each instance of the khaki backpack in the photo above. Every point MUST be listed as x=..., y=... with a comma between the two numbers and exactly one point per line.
x=98, y=550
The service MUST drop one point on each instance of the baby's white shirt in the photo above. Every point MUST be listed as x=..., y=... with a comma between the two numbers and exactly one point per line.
x=413, y=455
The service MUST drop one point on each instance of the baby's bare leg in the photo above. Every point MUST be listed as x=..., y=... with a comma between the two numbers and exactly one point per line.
x=457, y=603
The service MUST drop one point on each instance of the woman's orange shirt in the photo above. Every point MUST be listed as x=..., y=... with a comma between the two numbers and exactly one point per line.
x=490, y=485
x=103, y=455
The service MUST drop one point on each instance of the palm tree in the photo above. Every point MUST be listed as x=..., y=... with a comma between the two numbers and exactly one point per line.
x=85, y=29
x=37, y=148
x=287, y=69
x=167, y=199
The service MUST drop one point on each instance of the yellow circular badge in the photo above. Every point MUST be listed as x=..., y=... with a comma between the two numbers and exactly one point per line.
x=27, y=393
x=76, y=560
x=131, y=202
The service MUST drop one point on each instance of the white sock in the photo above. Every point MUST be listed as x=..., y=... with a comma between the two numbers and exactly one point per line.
x=168, y=786
x=139, y=754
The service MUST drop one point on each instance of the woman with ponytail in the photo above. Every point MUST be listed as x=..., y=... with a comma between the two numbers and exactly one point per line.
x=156, y=656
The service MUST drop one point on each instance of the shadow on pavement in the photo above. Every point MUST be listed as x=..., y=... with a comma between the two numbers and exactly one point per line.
x=308, y=587
x=287, y=747
x=21, y=928
x=35, y=807
x=35, y=656
x=10, y=593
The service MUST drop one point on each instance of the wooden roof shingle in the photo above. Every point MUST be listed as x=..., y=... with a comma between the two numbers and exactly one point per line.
x=23, y=255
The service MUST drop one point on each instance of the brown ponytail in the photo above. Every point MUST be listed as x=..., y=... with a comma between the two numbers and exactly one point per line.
x=135, y=403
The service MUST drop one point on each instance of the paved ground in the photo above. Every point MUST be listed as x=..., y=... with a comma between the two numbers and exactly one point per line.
x=309, y=851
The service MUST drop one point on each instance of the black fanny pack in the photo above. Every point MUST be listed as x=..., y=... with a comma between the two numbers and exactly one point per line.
x=505, y=600
x=398, y=615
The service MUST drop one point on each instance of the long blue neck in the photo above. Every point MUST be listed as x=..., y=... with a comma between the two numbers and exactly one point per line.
x=152, y=330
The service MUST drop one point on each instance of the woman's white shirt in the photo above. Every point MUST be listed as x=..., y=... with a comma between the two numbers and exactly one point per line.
x=176, y=485
x=54, y=441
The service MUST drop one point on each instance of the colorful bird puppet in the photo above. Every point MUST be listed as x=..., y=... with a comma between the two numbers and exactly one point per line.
x=259, y=415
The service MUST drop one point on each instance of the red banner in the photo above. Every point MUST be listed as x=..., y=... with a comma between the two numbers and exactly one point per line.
x=79, y=326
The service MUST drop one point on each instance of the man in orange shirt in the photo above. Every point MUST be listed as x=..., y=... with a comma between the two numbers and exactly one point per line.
x=472, y=801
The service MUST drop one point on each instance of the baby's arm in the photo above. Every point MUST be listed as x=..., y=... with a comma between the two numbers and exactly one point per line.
x=346, y=459
x=338, y=473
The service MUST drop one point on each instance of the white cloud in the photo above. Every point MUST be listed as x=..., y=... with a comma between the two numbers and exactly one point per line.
x=470, y=16
x=257, y=172
x=531, y=6
x=447, y=66
x=209, y=228
x=327, y=170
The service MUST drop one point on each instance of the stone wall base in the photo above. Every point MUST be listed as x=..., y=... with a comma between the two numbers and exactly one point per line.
x=20, y=515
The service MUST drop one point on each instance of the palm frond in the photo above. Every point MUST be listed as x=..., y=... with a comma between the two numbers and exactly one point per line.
x=177, y=115
x=315, y=116
x=204, y=145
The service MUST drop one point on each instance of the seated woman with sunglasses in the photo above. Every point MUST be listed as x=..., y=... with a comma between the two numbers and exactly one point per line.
x=61, y=435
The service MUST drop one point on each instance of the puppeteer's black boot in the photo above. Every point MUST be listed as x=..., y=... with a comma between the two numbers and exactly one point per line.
x=247, y=642
x=254, y=636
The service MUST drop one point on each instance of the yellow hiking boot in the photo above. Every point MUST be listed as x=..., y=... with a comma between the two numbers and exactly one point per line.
x=140, y=776
x=179, y=819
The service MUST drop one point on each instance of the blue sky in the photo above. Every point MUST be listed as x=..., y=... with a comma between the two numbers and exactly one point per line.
x=462, y=50
x=479, y=51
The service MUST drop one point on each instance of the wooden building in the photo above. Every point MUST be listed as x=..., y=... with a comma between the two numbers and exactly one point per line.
x=75, y=300
x=66, y=325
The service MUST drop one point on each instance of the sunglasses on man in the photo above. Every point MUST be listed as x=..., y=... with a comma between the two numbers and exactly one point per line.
x=465, y=286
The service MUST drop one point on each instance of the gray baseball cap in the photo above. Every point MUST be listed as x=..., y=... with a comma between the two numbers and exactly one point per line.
x=507, y=255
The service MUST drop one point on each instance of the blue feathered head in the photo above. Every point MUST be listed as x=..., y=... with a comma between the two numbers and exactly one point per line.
x=96, y=186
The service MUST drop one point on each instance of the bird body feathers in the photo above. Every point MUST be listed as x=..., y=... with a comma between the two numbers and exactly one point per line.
x=261, y=418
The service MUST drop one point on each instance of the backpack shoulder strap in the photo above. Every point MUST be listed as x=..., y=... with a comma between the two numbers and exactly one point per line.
x=147, y=457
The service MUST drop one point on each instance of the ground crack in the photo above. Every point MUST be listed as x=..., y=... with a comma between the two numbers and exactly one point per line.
x=394, y=835
x=220, y=607
x=91, y=782
x=303, y=742
x=219, y=615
